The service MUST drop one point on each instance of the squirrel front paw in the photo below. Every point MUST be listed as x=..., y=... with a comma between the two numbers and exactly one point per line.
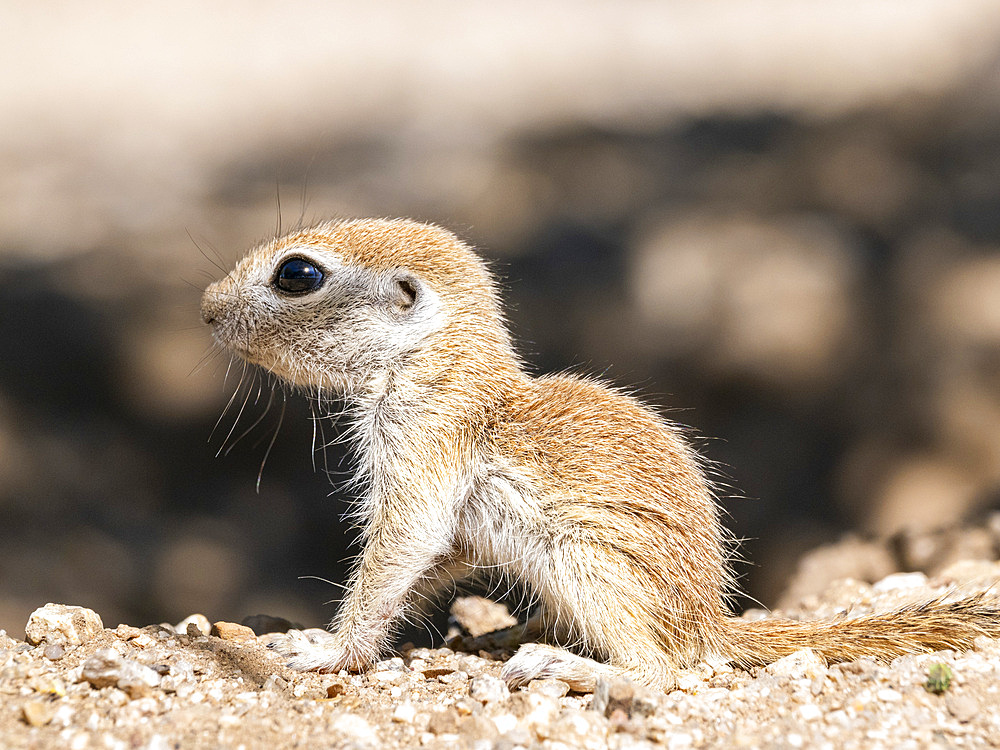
x=317, y=650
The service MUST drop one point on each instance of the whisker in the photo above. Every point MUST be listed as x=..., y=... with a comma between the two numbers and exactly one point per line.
x=232, y=399
x=277, y=199
x=216, y=263
x=312, y=444
x=214, y=351
x=277, y=429
x=235, y=421
x=249, y=429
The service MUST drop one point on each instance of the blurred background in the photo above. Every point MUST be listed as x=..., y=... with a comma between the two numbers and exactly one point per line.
x=779, y=221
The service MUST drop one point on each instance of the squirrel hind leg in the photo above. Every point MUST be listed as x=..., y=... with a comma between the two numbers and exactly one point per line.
x=536, y=661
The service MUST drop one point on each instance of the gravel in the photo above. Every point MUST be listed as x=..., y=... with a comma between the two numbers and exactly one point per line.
x=77, y=685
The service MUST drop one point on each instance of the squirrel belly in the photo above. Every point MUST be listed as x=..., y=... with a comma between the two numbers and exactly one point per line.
x=467, y=464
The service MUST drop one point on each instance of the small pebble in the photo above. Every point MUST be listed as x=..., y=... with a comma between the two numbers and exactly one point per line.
x=198, y=622
x=38, y=713
x=48, y=684
x=477, y=731
x=335, y=689
x=962, y=706
x=179, y=676
x=107, y=668
x=680, y=740
x=404, y=713
x=231, y=631
x=278, y=684
x=355, y=731
x=478, y=615
x=488, y=689
x=137, y=679
x=689, y=682
x=387, y=676
x=504, y=723
x=803, y=663
x=863, y=666
x=101, y=670
x=575, y=728
x=816, y=686
x=539, y=710
x=395, y=664
x=552, y=688
x=444, y=722
x=810, y=712
x=438, y=672
x=900, y=581
x=612, y=695
x=63, y=625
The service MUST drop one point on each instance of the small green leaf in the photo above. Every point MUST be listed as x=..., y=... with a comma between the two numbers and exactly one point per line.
x=938, y=678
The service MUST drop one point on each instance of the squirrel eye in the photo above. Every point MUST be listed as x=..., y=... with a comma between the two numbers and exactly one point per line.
x=296, y=276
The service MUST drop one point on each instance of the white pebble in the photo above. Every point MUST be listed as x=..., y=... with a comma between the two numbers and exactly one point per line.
x=505, y=723
x=356, y=729
x=900, y=581
x=810, y=712
x=803, y=663
x=488, y=689
x=689, y=682
x=200, y=622
x=962, y=706
x=404, y=713
x=137, y=679
x=62, y=624
x=542, y=709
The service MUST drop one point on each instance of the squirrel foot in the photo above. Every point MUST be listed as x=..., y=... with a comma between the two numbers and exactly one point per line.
x=317, y=650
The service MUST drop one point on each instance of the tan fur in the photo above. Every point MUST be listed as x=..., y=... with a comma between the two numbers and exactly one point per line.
x=578, y=492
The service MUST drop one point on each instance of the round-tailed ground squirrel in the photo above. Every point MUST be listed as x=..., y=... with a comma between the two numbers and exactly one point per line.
x=583, y=495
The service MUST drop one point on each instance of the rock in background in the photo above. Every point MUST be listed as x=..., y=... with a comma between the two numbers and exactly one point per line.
x=778, y=220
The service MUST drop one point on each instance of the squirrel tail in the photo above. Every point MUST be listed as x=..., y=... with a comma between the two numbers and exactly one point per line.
x=915, y=629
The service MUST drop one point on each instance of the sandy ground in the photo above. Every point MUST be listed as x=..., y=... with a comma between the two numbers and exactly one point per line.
x=78, y=685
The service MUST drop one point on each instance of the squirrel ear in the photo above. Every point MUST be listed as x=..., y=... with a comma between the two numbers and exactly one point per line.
x=405, y=291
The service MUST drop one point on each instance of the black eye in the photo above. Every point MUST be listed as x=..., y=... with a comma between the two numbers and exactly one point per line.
x=296, y=276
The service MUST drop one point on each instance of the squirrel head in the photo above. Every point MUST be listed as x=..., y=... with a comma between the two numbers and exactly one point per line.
x=341, y=306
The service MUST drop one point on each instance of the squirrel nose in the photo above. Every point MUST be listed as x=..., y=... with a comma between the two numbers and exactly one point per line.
x=209, y=309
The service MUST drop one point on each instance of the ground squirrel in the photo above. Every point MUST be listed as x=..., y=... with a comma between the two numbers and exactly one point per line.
x=580, y=493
